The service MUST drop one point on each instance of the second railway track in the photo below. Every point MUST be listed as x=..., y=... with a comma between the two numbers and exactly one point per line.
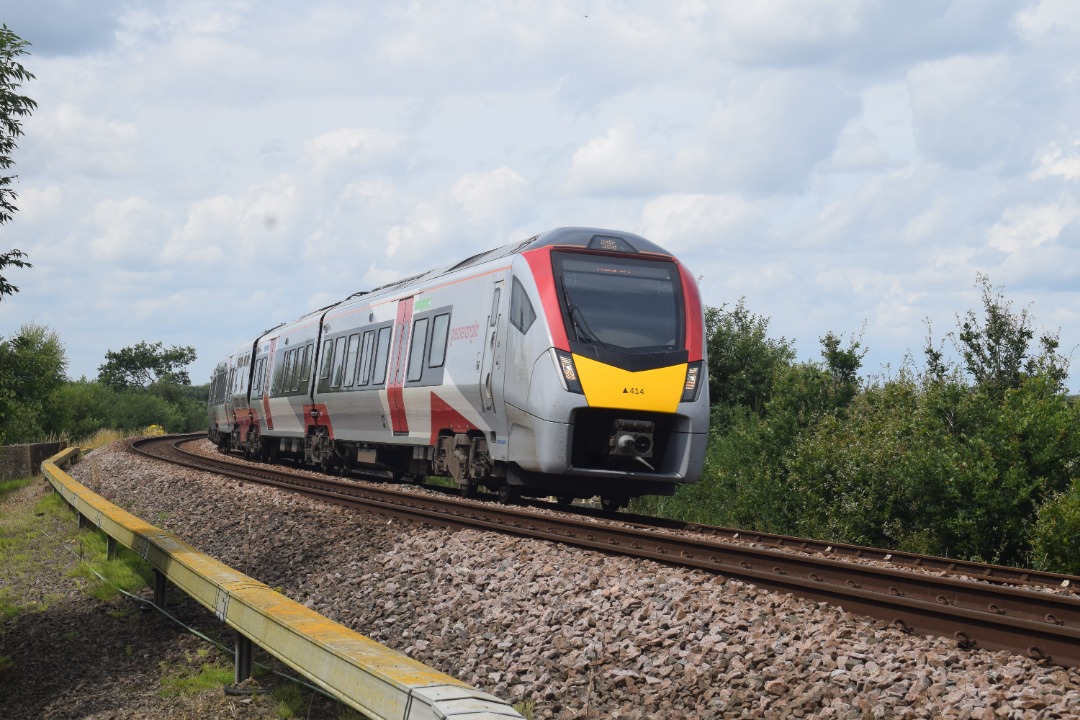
x=976, y=613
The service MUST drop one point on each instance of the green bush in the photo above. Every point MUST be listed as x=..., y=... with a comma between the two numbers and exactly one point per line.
x=1056, y=535
x=78, y=409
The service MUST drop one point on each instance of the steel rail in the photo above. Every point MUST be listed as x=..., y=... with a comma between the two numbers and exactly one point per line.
x=1041, y=625
x=1001, y=574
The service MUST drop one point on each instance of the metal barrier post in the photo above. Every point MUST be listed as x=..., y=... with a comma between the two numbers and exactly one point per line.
x=159, y=588
x=244, y=652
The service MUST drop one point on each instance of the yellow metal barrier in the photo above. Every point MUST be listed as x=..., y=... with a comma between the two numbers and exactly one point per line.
x=360, y=672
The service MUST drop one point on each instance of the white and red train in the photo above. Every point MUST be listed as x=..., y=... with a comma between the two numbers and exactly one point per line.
x=571, y=364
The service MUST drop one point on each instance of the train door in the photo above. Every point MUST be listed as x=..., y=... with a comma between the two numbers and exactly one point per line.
x=398, y=360
x=267, y=386
x=230, y=391
x=491, y=364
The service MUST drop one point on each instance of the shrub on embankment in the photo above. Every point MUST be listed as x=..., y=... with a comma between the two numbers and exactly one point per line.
x=974, y=459
x=38, y=401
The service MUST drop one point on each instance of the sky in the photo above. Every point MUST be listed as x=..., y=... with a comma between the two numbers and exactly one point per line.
x=197, y=172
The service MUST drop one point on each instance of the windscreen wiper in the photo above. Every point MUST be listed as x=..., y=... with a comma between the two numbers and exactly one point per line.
x=581, y=327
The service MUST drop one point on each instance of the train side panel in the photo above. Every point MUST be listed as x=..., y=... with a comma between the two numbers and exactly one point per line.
x=289, y=354
x=403, y=368
x=571, y=363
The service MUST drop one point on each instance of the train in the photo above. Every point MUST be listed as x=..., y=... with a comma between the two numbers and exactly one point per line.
x=568, y=365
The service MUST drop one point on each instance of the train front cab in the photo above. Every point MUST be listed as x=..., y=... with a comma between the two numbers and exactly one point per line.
x=624, y=362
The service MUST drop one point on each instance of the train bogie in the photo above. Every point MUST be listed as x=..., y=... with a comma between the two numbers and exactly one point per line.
x=570, y=364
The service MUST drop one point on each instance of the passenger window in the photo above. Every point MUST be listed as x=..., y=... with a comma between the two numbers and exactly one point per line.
x=305, y=366
x=440, y=329
x=494, y=307
x=327, y=357
x=290, y=370
x=416, y=350
x=522, y=314
x=350, y=362
x=382, y=356
x=338, y=372
x=281, y=378
x=296, y=374
x=363, y=362
x=257, y=381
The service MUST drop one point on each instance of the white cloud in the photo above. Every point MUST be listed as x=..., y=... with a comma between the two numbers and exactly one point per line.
x=973, y=111
x=614, y=163
x=1055, y=23
x=771, y=31
x=767, y=133
x=128, y=232
x=494, y=195
x=37, y=205
x=251, y=228
x=417, y=238
x=350, y=149
x=714, y=224
x=1059, y=162
x=69, y=139
x=1026, y=228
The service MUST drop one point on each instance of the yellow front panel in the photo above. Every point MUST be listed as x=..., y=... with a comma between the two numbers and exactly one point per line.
x=606, y=386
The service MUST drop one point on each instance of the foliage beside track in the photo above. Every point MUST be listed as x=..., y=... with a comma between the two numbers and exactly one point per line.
x=39, y=402
x=974, y=459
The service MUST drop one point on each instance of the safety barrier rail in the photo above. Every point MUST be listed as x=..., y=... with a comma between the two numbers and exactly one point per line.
x=367, y=676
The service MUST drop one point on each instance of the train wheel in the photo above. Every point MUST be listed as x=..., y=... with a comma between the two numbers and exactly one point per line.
x=468, y=489
x=509, y=494
x=565, y=500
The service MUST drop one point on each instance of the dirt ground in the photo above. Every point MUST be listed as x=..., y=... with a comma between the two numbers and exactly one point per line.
x=65, y=654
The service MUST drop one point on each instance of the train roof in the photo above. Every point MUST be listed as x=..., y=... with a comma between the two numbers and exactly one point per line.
x=571, y=236
x=584, y=237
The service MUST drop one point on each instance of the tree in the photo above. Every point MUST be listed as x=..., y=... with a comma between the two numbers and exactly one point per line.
x=12, y=107
x=743, y=359
x=995, y=350
x=144, y=365
x=32, y=365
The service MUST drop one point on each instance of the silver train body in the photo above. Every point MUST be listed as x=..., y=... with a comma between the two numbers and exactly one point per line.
x=571, y=364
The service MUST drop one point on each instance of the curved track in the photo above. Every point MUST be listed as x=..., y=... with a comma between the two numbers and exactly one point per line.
x=991, y=608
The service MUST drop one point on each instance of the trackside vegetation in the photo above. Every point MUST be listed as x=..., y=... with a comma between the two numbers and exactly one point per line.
x=978, y=458
x=136, y=388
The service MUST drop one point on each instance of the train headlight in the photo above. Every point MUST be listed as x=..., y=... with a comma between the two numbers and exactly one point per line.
x=569, y=372
x=693, y=382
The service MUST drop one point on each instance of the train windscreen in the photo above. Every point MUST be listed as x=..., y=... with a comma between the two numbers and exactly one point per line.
x=620, y=303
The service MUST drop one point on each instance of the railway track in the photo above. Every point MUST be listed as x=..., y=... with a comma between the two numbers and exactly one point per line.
x=979, y=606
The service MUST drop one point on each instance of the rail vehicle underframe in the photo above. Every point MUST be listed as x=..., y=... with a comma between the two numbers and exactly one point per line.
x=665, y=449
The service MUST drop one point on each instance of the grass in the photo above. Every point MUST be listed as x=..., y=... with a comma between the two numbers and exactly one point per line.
x=290, y=700
x=102, y=438
x=205, y=672
x=9, y=605
x=17, y=533
x=126, y=571
x=9, y=486
x=190, y=680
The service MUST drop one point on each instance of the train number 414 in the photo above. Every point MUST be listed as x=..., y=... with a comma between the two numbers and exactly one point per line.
x=633, y=391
